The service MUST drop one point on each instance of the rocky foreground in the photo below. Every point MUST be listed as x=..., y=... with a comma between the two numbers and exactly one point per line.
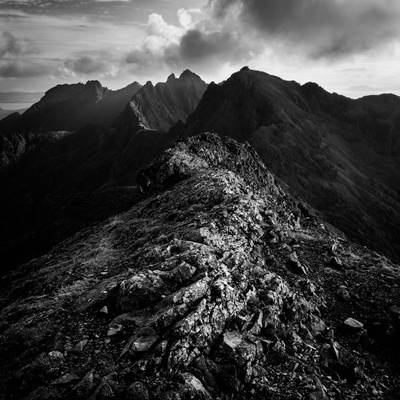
x=218, y=285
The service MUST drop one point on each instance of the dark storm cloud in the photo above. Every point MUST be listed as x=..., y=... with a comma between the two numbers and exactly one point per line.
x=322, y=27
x=236, y=31
x=198, y=45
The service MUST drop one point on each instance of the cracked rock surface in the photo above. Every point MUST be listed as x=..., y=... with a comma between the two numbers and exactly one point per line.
x=218, y=285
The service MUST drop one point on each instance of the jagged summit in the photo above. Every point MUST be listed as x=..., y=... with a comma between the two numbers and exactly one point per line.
x=218, y=285
x=93, y=83
x=171, y=77
x=160, y=106
x=188, y=74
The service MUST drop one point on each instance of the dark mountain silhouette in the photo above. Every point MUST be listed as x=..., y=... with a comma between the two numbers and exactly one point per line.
x=71, y=107
x=217, y=285
x=341, y=155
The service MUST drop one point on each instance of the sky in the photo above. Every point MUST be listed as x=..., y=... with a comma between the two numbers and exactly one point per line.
x=350, y=47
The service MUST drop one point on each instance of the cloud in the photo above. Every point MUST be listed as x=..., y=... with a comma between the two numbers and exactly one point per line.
x=87, y=65
x=23, y=69
x=14, y=52
x=196, y=45
x=197, y=42
x=186, y=17
x=106, y=10
x=320, y=28
x=12, y=46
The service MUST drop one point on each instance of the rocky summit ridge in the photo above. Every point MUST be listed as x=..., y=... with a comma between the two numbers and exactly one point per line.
x=218, y=285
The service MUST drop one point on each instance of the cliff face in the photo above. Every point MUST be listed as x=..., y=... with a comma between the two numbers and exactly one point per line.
x=217, y=285
x=161, y=106
x=340, y=155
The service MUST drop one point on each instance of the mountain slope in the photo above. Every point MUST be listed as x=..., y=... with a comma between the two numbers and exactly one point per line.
x=161, y=106
x=58, y=183
x=218, y=285
x=339, y=154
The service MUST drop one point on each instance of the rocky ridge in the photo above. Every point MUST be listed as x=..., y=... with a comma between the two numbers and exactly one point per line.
x=217, y=285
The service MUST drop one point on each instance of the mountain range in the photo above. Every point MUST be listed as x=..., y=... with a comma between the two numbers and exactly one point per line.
x=338, y=154
x=185, y=240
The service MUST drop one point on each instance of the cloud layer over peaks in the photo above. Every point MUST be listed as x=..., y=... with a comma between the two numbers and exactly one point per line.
x=321, y=28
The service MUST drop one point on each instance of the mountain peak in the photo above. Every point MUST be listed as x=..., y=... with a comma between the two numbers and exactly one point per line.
x=93, y=83
x=171, y=77
x=187, y=73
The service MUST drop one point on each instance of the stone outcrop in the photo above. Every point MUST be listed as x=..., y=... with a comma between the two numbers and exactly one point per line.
x=217, y=285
